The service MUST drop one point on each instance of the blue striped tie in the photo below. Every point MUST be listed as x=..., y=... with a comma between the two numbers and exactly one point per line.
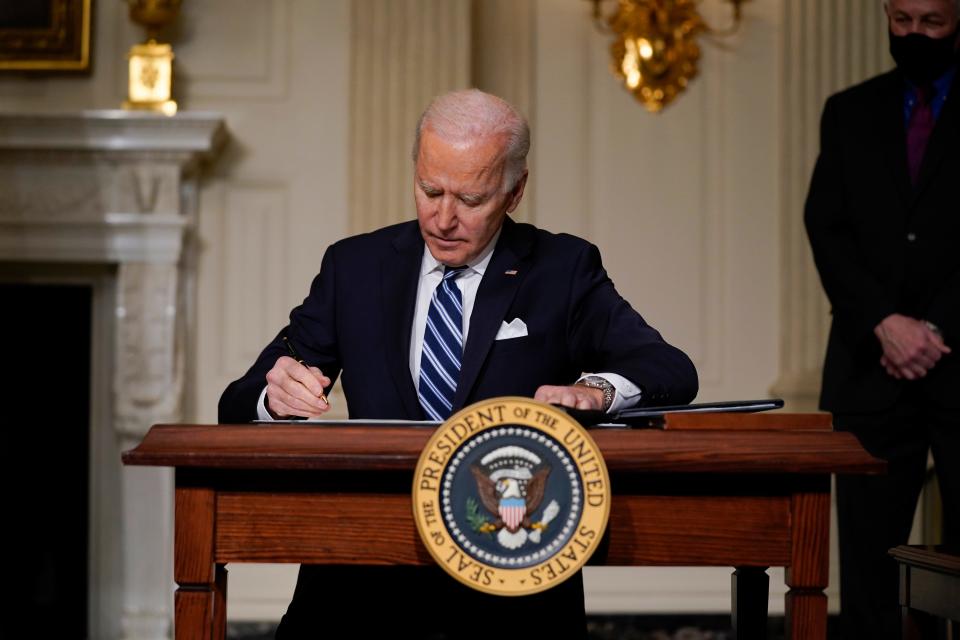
x=442, y=348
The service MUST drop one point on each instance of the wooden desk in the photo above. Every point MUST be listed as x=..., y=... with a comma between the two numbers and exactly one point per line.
x=749, y=492
x=929, y=586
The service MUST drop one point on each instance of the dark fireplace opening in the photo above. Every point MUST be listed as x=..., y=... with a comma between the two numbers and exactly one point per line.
x=47, y=330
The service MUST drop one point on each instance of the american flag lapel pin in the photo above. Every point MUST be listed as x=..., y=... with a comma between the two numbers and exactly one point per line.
x=510, y=272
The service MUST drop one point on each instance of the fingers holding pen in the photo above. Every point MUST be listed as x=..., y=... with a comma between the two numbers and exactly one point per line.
x=282, y=405
x=311, y=378
x=295, y=355
x=296, y=389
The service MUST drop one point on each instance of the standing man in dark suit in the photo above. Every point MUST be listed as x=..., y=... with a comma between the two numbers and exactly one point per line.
x=422, y=318
x=883, y=216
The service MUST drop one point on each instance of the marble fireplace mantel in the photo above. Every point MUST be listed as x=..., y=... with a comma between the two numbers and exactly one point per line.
x=101, y=186
x=120, y=188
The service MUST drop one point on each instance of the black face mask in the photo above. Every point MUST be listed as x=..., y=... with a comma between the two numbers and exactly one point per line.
x=923, y=59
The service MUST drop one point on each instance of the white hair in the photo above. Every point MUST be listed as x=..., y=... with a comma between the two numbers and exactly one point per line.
x=472, y=114
x=956, y=6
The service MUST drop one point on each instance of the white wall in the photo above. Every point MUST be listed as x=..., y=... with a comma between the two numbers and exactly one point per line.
x=278, y=71
x=685, y=205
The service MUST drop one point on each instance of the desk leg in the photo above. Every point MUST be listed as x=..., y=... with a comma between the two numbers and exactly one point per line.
x=750, y=589
x=808, y=573
x=913, y=622
x=200, y=612
x=200, y=602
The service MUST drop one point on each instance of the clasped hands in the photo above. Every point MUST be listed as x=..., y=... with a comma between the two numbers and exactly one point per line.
x=294, y=389
x=911, y=347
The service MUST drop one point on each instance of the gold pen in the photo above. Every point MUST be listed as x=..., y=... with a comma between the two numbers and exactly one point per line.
x=296, y=356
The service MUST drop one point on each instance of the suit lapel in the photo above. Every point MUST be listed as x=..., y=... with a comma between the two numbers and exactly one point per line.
x=943, y=136
x=496, y=292
x=400, y=274
x=890, y=123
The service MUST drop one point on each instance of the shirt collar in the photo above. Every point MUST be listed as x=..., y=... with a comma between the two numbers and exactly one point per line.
x=941, y=86
x=478, y=264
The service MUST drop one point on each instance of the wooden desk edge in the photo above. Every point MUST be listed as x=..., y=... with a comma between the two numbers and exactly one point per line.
x=398, y=448
x=760, y=421
x=927, y=558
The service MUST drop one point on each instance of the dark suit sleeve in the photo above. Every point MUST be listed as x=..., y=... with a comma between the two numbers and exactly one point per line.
x=606, y=334
x=312, y=330
x=856, y=297
x=944, y=311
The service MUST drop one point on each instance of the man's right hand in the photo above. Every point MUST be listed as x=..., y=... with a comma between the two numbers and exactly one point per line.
x=294, y=389
x=910, y=347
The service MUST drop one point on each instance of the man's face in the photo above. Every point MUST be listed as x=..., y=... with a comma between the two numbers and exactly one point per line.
x=932, y=18
x=458, y=192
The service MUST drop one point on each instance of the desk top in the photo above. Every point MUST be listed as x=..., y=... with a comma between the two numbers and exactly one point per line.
x=928, y=557
x=391, y=448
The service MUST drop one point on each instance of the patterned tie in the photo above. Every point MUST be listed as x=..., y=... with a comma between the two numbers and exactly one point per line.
x=919, y=128
x=442, y=348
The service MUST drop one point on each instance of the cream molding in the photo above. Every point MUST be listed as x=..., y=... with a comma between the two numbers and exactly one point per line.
x=120, y=189
x=190, y=135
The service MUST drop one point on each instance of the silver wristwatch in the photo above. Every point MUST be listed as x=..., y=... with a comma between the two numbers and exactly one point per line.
x=934, y=328
x=596, y=382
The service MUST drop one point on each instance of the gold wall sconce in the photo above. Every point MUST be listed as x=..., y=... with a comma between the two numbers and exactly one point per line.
x=655, y=50
x=150, y=83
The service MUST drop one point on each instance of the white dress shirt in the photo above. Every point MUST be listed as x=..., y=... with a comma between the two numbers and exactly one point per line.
x=431, y=274
x=626, y=393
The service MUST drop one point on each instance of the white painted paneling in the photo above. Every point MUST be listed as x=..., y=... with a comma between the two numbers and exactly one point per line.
x=559, y=146
x=683, y=204
x=508, y=67
x=234, y=48
x=403, y=53
x=278, y=70
x=653, y=204
x=279, y=194
x=254, y=248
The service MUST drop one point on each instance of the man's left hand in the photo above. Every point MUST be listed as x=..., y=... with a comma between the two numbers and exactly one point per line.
x=910, y=347
x=573, y=396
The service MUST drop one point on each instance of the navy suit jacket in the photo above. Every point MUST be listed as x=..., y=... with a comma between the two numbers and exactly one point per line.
x=882, y=245
x=356, y=324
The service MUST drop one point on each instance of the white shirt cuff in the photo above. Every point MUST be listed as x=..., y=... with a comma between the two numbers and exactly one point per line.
x=625, y=394
x=262, y=412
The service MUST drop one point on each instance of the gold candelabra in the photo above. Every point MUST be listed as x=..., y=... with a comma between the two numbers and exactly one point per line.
x=654, y=50
x=151, y=63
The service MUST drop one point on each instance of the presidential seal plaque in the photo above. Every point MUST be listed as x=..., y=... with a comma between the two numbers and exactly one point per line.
x=511, y=496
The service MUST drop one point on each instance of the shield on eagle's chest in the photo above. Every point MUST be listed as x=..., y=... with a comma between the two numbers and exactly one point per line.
x=512, y=511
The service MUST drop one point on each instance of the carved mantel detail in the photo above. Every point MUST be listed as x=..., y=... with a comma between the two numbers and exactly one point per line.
x=148, y=380
x=120, y=189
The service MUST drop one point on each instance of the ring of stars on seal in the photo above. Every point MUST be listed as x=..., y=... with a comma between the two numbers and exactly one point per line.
x=507, y=560
x=511, y=496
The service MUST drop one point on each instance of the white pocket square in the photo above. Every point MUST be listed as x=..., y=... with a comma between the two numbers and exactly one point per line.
x=515, y=329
